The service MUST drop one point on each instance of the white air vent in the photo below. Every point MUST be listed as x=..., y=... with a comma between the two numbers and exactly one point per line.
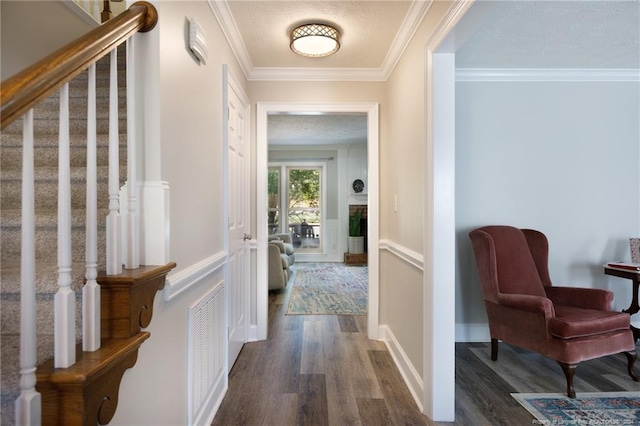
x=206, y=351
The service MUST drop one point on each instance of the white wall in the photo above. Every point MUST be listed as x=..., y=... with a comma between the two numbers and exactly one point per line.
x=560, y=157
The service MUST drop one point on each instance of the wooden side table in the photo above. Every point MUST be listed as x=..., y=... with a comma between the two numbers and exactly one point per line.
x=634, y=276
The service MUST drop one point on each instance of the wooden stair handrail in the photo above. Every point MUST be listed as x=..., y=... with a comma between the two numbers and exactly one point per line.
x=25, y=89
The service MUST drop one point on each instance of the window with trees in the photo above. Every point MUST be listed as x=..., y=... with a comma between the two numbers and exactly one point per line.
x=296, y=199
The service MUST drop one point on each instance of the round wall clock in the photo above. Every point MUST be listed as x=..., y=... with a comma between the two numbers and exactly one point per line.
x=358, y=185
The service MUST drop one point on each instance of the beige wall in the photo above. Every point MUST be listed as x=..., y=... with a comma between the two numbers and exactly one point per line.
x=402, y=151
x=191, y=131
x=23, y=45
x=190, y=123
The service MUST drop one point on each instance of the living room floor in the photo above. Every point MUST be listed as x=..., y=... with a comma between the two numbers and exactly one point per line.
x=322, y=370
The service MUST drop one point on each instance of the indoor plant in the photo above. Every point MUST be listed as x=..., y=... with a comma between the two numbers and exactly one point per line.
x=356, y=241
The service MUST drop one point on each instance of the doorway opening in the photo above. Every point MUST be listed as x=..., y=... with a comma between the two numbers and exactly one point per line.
x=370, y=110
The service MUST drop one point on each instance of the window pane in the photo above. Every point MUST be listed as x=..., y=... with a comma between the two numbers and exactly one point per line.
x=273, y=183
x=303, y=213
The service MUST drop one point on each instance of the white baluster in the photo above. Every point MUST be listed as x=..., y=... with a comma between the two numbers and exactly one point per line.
x=133, y=223
x=114, y=255
x=28, y=403
x=65, y=306
x=91, y=289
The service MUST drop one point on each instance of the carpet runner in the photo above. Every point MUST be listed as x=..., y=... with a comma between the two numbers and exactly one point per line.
x=329, y=290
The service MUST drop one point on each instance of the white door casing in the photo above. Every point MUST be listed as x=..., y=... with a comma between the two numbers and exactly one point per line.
x=263, y=110
x=237, y=129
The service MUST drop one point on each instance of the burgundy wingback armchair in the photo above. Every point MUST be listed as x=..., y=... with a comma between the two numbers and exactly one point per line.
x=567, y=324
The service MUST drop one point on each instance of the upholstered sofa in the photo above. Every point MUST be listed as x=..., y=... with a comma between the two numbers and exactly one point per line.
x=280, y=257
x=287, y=242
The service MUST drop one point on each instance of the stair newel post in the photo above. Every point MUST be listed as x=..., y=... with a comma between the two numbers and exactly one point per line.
x=64, y=302
x=28, y=403
x=133, y=224
x=91, y=289
x=114, y=248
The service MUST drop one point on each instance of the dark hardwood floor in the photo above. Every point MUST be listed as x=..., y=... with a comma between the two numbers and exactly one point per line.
x=322, y=370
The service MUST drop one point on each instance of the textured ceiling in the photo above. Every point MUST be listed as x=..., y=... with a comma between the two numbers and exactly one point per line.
x=511, y=34
x=368, y=29
x=555, y=34
x=324, y=129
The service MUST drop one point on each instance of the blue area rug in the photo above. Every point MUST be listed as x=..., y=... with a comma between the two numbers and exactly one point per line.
x=329, y=290
x=606, y=408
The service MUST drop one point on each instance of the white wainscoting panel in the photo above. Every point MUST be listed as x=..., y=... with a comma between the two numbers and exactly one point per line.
x=206, y=368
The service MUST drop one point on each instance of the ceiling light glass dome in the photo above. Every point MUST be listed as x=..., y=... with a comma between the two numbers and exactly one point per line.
x=315, y=40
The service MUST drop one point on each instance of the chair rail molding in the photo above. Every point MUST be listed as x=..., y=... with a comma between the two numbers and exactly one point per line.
x=409, y=256
x=193, y=275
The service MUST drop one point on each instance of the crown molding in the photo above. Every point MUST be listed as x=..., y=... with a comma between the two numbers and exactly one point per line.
x=547, y=74
x=410, y=25
x=231, y=32
x=316, y=74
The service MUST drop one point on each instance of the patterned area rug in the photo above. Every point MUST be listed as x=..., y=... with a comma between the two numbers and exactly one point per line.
x=330, y=290
x=589, y=408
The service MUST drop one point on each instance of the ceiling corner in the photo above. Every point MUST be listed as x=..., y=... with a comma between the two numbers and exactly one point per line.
x=407, y=30
x=231, y=32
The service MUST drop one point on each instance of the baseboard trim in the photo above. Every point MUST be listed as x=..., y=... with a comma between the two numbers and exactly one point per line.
x=409, y=374
x=194, y=274
x=214, y=400
x=472, y=333
x=253, y=333
x=408, y=255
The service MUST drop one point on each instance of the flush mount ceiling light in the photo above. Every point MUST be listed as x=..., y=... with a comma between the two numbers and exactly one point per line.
x=315, y=40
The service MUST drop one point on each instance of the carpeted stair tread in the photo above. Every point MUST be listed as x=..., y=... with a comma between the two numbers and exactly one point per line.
x=50, y=174
x=10, y=305
x=47, y=156
x=79, y=140
x=47, y=195
x=46, y=276
x=46, y=244
x=11, y=218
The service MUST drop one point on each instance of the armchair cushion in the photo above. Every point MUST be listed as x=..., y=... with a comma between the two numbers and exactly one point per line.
x=571, y=322
x=588, y=298
x=526, y=302
x=516, y=269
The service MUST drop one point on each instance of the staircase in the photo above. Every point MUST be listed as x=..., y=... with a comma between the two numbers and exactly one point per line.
x=86, y=392
x=46, y=187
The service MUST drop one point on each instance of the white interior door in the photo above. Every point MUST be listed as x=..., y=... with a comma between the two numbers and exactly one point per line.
x=238, y=282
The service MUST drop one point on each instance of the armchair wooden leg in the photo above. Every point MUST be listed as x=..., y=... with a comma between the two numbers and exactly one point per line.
x=631, y=359
x=494, y=349
x=569, y=371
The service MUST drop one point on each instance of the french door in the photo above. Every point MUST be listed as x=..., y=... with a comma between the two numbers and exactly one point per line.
x=296, y=204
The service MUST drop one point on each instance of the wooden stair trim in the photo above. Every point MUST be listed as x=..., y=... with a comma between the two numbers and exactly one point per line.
x=87, y=392
x=126, y=300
